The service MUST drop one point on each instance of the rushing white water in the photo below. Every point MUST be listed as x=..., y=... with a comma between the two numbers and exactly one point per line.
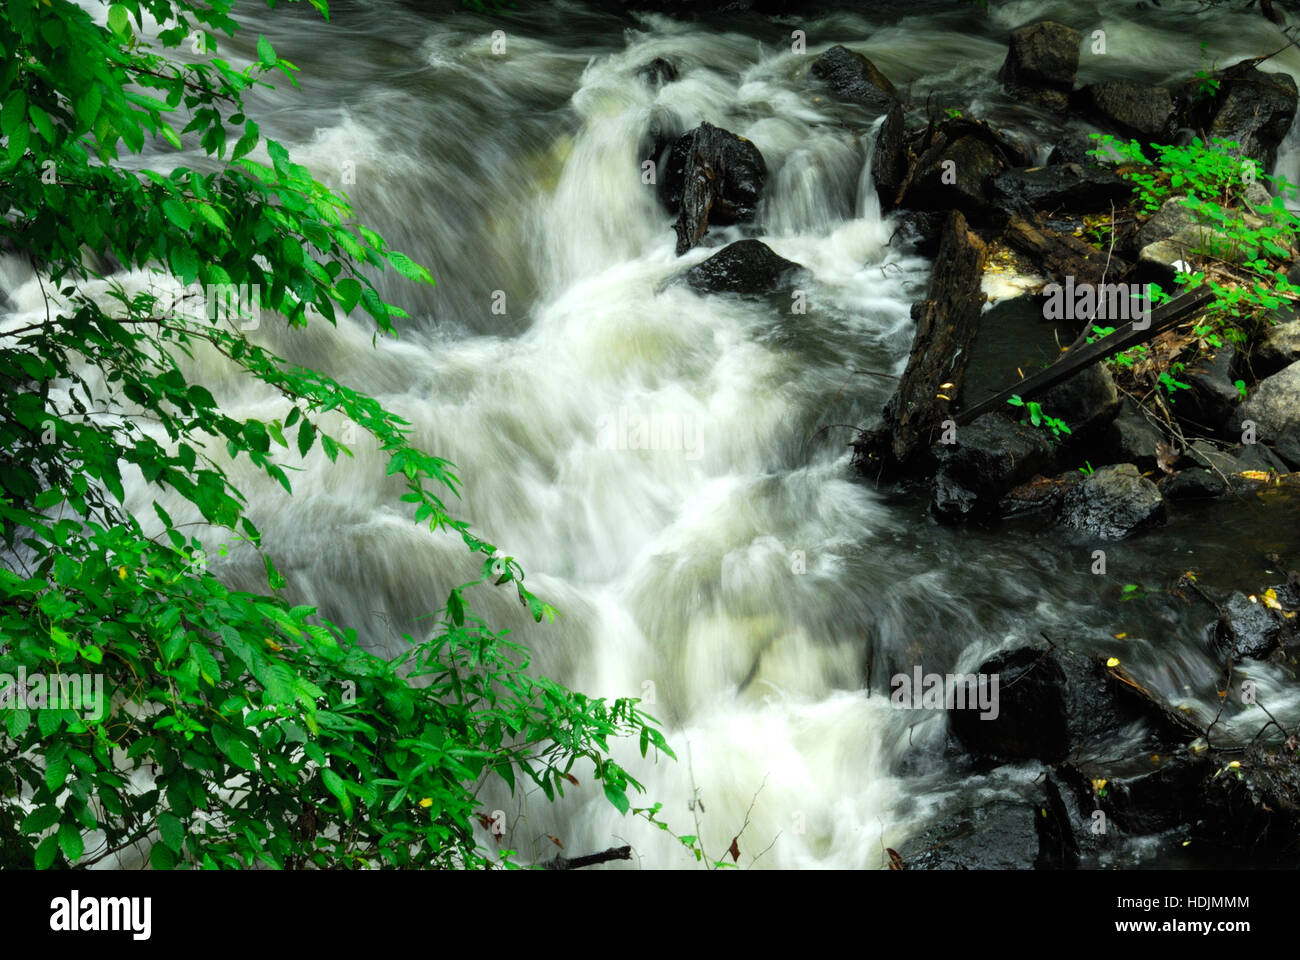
x=734, y=572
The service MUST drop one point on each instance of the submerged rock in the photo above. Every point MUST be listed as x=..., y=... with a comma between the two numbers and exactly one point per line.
x=1113, y=502
x=746, y=266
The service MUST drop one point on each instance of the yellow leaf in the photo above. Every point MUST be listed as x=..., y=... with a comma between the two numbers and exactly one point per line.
x=121, y=572
x=273, y=645
x=1113, y=662
x=426, y=802
x=1099, y=785
x=1270, y=599
x=1254, y=474
x=1234, y=765
x=1120, y=636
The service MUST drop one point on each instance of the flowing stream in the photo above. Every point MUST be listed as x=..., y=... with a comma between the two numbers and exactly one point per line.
x=726, y=565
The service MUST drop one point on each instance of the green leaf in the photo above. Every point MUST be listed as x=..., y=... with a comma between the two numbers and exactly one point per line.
x=265, y=52
x=172, y=830
x=46, y=852
x=306, y=436
x=617, y=797
x=409, y=268
x=161, y=857
x=70, y=842
x=117, y=20
x=56, y=770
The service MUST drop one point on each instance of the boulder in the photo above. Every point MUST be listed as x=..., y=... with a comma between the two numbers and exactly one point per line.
x=712, y=176
x=1279, y=347
x=1132, y=438
x=1195, y=483
x=1249, y=628
x=1254, y=109
x=1274, y=408
x=746, y=266
x=889, y=161
x=959, y=178
x=994, y=835
x=1087, y=402
x=1054, y=703
x=1135, y=110
x=990, y=456
x=1212, y=397
x=1075, y=187
x=1254, y=807
x=855, y=79
x=1113, y=502
x=1042, y=59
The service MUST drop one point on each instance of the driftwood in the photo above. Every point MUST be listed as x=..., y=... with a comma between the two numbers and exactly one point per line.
x=1162, y=318
x=945, y=330
x=566, y=863
x=1062, y=254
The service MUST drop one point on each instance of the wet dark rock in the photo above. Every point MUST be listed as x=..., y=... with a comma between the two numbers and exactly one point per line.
x=1196, y=483
x=1254, y=807
x=1066, y=186
x=1054, y=703
x=921, y=230
x=995, y=835
x=1042, y=59
x=1274, y=408
x=1169, y=221
x=1255, y=110
x=746, y=266
x=990, y=456
x=1212, y=397
x=1087, y=402
x=889, y=162
x=1147, y=793
x=1249, y=628
x=1232, y=460
x=855, y=79
x=1039, y=497
x=658, y=72
x=1113, y=502
x=1135, y=110
x=970, y=164
x=1132, y=438
x=1280, y=345
x=712, y=176
x=1075, y=150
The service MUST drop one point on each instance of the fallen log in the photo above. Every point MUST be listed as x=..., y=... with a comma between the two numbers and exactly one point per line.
x=944, y=333
x=1062, y=254
x=574, y=863
x=1161, y=319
